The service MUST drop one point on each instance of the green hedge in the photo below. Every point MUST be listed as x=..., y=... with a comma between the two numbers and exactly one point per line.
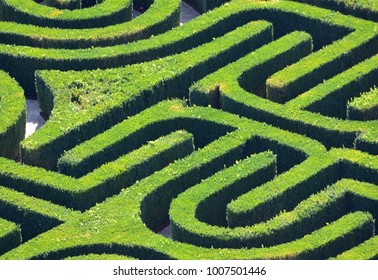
x=347, y=231
x=123, y=224
x=12, y=116
x=105, y=227
x=63, y=4
x=35, y=216
x=329, y=240
x=96, y=100
x=317, y=67
x=196, y=214
x=210, y=25
x=103, y=182
x=235, y=89
x=162, y=16
x=265, y=61
x=295, y=185
x=10, y=235
x=365, y=251
x=205, y=5
x=367, y=9
x=310, y=214
x=108, y=12
x=364, y=107
x=96, y=257
x=284, y=15
x=127, y=136
x=331, y=99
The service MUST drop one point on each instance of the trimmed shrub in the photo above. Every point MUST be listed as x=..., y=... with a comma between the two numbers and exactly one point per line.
x=105, y=181
x=131, y=161
x=64, y=4
x=367, y=9
x=10, y=235
x=108, y=12
x=12, y=116
x=205, y=5
x=365, y=251
x=239, y=93
x=102, y=26
x=34, y=216
x=96, y=100
x=364, y=107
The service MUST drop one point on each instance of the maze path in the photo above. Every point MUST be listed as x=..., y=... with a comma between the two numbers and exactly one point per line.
x=275, y=170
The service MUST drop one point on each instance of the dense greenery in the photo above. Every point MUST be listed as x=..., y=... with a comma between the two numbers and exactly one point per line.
x=12, y=116
x=364, y=107
x=252, y=130
x=108, y=12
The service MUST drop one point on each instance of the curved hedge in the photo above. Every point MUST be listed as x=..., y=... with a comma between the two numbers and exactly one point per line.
x=108, y=12
x=63, y=4
x=115, y=103
x=362, y=8
x=12, y=116
x=160, y=17
x=10, y=236
x=277, y=169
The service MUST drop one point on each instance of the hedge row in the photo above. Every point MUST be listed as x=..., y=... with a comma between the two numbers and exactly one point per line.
x=108, y=12
x=160, y=17
x=12, y=116
x=330, y=240
x=301, y=181
x=34, y=215
x=233, y=94
x=96, y=257
x=331, y=98
x=364, y=107
x=96, y=100
x=319, y=66
x=319, y=209
x=103, y=182
x=129, y=135
x=62, y=4
x=10, y=235
x=198, y=215
x=365, y=251
x=205, y=5
x=264, y=61
x=145, y=126
x=184, y=38
x=367, y=9
x=233, y=146
x=147, y=201
x=284, y=15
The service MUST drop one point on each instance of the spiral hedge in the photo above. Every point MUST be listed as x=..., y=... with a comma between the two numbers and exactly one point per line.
x=251, y=130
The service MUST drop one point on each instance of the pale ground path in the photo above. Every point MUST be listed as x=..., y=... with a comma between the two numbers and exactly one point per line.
x=34, y=121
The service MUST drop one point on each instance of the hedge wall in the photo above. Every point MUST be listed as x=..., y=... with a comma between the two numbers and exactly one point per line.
x=94, y=106
x=12, y=116
x=364, y=107
x=108, y=12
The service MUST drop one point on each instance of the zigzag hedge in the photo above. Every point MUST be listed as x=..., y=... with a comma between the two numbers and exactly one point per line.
x=251, y=130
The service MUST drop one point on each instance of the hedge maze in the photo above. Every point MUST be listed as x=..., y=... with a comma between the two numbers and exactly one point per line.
x=251, y=130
